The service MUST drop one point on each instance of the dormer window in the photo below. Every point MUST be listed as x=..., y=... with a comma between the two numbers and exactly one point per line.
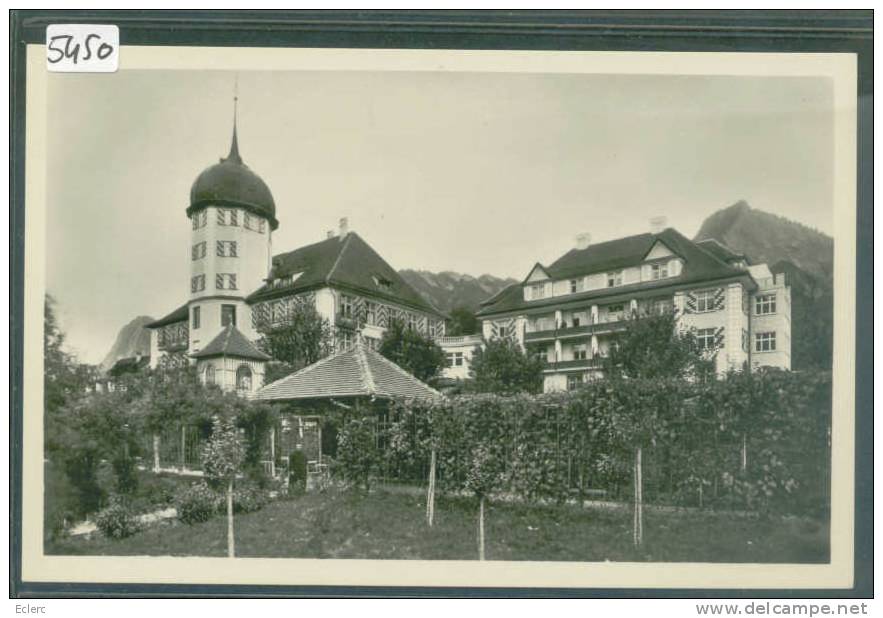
x=659, y=271
x=576, y=285
x=614, y=279
x=537, y=290
x=382, y=282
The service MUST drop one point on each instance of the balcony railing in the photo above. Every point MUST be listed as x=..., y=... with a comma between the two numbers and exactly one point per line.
x=574, y=331
x=596, y=362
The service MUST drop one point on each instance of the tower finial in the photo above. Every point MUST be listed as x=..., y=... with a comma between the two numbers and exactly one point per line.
x=234, y=146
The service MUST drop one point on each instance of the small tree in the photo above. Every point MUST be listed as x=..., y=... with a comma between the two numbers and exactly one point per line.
x=222, y=459
x=503, y=367
x=357, y=452
x=301, y=338
x=484, y=473
x=413, y=352
x=655, y=346
x=462, y=322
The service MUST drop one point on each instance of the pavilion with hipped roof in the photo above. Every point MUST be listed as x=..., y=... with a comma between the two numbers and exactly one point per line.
x=355, y=379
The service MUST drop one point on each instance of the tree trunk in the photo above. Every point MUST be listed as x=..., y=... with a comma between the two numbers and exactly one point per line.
x=156, y=452
x=481, y=528
x=430, y=493
x=744, y=452
x=230, y=549
x=183, y=446
x=272, y=452
x=639, y=499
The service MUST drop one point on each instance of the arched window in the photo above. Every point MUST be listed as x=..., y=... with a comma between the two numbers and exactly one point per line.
x=210, y=374
x=243, y=378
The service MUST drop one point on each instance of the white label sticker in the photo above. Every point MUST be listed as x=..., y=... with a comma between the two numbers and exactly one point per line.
x=83, y=48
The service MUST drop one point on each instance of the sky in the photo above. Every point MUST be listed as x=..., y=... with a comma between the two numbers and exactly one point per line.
x=468, y=172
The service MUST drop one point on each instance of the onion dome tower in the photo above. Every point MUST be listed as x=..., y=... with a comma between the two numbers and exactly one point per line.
x=232, y=216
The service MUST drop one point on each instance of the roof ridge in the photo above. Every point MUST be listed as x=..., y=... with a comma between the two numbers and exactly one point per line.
x=346, y=243
x=367, y=375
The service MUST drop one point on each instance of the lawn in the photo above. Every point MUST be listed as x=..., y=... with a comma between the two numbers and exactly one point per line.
x=387, y=525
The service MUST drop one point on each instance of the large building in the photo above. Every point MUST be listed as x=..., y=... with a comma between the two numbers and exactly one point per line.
x=238, y=288
x=570, y=311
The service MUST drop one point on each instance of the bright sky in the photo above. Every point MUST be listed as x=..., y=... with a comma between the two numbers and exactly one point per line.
x=470, y=172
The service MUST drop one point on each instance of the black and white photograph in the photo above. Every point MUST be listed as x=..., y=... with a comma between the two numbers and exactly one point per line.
x=438, y=316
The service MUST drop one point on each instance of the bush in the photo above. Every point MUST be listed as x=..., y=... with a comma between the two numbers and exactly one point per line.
x=358, y=456
x=246, y=500
x=297, y=473
x=118, y=520
x=196, y=503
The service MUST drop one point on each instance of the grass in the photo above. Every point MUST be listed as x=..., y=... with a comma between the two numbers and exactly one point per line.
x=385, y=525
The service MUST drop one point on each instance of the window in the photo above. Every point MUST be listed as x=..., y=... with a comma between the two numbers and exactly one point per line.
x=346, y=306
x=765, y=305
x=225, y=281
x=576, y=285
x=580, y=352
x=197, y=283
x=346, y=341
x=614, y=279
x=261, y=225
x=222, y=216
x=614, y=312
x=228, y=315
x=243, y=378
x=246, y=220
x=576, y=320
x=370, y=313
x=195, y=318
x=455, y=359
x=537, y=290
x=541, y=354
x=705, y=301
x=210, y=374
x=197, y=251
x=502, y=332
x=574, y=381
x=658, y=271
x=199, y=219
x=765, y=342
x=372, y=343
x=226, y=248
x=234, y=217
x=382, y=282
x=707, y=338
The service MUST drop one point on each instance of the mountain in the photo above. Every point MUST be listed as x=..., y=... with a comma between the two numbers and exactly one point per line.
x=131, y=340
x=804, y=255
x=448, y=290
x=770, y=238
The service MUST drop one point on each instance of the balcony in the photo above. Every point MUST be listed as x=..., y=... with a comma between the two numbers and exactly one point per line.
x=574, y=331
x=596, y=362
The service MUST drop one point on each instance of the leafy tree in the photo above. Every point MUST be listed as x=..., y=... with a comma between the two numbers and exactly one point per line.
x=503, y=367
x=416, y=354
x=462, y=322
x=223, y=457
x=301, y=339
x=654, y=346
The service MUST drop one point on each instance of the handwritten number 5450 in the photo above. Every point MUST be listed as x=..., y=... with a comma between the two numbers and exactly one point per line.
x=63, y=47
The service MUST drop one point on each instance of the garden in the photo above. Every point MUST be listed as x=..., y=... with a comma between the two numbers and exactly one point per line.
x=730, y=469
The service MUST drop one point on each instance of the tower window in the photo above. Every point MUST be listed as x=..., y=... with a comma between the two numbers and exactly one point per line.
x=226, y=248
x=246, y=221
x=197, y=283
x=261, y=225
x=243, y=378
x=199, y=219
x=197, y=251
x=225, y=281
x=222, y=216
x=228, y=315
x=195, y=318
x=234, y=217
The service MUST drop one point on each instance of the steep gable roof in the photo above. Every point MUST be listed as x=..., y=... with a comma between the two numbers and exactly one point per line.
x=231, y=342
x=178, y=315
x=348, y=262
x=720, y=250
x=357, y=372
x=699, y=265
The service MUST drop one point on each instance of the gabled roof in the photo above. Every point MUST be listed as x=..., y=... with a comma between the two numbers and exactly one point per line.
x=720, y=250
x=699, y=265
x=358, y=372
x=347, y=262
x=178, y=315
x=231, y=342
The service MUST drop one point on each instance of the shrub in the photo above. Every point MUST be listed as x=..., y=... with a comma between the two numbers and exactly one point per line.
x=297, y=473
x=196, y=503
x=358, y=456
x=247, y=500
x=118, y=520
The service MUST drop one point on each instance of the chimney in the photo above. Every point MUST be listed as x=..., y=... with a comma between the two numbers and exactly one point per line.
x=583, y=240
x=657, y=224
x=329, y=234
x=344, y=227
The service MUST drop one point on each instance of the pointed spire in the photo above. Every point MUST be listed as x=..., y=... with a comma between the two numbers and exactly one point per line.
x=234, y=146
